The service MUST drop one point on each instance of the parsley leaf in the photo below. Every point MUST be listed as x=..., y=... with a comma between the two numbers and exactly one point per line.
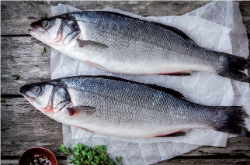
x=44, y=17
x=15, y=77
x=43, y=51
x=85, y=155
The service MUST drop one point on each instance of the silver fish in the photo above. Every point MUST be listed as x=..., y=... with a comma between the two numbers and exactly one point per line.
x=117, y=107
x=122, y=44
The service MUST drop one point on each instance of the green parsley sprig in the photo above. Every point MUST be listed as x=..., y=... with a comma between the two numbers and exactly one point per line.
x=44, y=17
x=85, y=155
x=43, y=51
x=3, y=101
x=15, y=77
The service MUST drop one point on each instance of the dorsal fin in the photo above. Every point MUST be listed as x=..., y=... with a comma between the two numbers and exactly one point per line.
x=168, y=90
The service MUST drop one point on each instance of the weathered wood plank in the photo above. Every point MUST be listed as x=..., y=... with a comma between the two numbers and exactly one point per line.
x=15, y=162
x=17, y=16
x=22, y=56
x=205, y=162
x=25, y=126
x=238, y=146
x=168, y=162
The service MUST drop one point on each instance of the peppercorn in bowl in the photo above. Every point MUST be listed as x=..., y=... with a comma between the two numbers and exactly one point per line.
x=37, y=156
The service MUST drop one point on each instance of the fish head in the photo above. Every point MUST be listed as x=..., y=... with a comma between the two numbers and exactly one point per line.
x=57, y=32
x=48, y=98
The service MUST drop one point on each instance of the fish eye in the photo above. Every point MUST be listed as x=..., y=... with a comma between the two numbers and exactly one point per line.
x=46, y=24
x=74, y=26
x=37, y=89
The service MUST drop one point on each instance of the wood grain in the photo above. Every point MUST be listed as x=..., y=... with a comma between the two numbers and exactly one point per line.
x=17, y=16
x=22, y=56
x=23, y=127
x=205, y=162
x=168, y=162
x=15, y=162
x=236, y=147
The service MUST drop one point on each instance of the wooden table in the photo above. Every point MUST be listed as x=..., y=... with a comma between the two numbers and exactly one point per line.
x=23, y=126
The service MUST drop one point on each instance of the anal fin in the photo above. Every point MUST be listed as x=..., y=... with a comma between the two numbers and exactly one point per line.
x=83, y=129
x=184, y=73
x=96, y=65
x=175, y=134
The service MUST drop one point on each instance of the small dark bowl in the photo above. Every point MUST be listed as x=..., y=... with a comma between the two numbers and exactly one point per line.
x=29, y=153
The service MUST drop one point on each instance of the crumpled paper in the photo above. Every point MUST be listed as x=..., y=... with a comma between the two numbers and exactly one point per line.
x=217, y=26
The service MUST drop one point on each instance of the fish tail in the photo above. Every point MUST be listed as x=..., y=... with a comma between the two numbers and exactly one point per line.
x=232, y=120
x=232, y=67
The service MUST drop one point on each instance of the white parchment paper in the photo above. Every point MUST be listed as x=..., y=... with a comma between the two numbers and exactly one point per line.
x=217, y=26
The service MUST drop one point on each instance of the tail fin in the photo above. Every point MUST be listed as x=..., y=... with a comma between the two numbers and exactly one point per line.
x=232, y=120
x=233, y=65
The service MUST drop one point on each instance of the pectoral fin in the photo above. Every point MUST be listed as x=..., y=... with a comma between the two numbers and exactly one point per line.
x=85, y=109
x=87, y=43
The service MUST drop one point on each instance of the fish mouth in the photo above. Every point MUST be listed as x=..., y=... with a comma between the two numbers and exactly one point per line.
x=35, y=32
x=30, y=31
x=36, y=27
x=23, y=92
x=28, y=97
x=32, y=26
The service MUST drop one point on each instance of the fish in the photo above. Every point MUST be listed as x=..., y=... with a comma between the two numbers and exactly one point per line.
x=118, y=107
x=122, y=44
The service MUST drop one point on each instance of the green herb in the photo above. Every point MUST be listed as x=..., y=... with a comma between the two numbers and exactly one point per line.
x=3, y=101
x=13, y=142
x=44, y=17
x=85, y=155
x=43, y=51
x=118, y=159
x=15, y=77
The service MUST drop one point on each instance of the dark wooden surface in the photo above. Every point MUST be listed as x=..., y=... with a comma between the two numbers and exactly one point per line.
x=23, y=126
